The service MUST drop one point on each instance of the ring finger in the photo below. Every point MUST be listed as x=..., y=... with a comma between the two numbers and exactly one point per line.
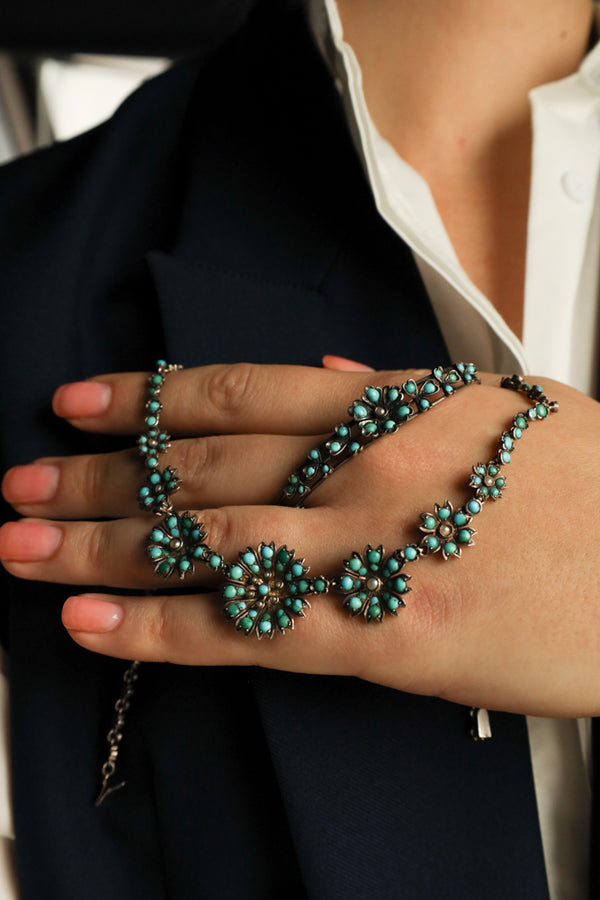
x=219, y=470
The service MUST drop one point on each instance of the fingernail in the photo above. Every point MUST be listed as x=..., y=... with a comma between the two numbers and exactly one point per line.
x=30, y=484
x=345, y=365
x=81, y=399
x=92, y=614
x=29, y=541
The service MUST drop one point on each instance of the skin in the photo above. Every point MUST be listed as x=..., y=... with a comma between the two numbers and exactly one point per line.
x=513, y=625
x=449, y=60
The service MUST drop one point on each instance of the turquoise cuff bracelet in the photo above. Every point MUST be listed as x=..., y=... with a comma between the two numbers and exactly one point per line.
x=380, y=411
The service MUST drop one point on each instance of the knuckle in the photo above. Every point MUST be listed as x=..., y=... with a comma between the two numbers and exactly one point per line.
x=199, y=460
x=92, y=482
x=221, y=533
x=192, y=461
x=158, y=631
x=95, y=548
x=210, y=455
x=229, y=386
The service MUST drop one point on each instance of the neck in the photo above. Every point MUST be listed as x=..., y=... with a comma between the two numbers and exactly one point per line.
x=459, y=72
x=447, y=83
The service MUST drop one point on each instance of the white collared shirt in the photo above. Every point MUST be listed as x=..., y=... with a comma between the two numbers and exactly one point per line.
x=562, y=264
x=560, y=337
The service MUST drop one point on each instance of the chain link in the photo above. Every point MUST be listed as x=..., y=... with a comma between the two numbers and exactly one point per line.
x=115, y=735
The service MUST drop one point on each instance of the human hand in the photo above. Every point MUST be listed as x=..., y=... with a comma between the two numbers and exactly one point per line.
x=513, y=625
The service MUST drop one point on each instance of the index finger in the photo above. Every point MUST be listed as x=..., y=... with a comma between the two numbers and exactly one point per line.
x=223, y=399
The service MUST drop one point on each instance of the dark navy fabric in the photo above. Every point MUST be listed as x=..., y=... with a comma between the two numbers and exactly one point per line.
x=222, y=215
x=151, y=28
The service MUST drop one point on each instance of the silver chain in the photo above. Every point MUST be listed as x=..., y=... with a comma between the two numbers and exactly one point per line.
x=115, y=735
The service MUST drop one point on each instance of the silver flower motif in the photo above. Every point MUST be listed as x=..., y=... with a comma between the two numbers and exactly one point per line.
x=373, y=584
x=446, y=531
x=267, y=589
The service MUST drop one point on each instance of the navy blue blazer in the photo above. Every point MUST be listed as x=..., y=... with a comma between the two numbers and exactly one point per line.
x=223, y=215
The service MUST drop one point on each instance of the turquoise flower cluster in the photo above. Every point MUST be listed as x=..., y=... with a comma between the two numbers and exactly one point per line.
x=267, y=589
x=488, y=481
x=381, y=410
x=373, y=584
x=154, y=493
x=176, y=544
x=447, y=531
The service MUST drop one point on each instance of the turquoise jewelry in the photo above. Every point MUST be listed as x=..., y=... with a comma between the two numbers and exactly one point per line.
x=265, y=591
x=380, y=411
x=177, y=544
x=267, y=588
x=154, y=493
x=115, y=735
x=373, y=584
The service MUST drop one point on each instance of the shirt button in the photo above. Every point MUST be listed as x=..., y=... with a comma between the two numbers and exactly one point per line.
x=576, y=186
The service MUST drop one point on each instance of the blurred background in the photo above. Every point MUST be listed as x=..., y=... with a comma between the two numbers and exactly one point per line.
x=66, y=66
